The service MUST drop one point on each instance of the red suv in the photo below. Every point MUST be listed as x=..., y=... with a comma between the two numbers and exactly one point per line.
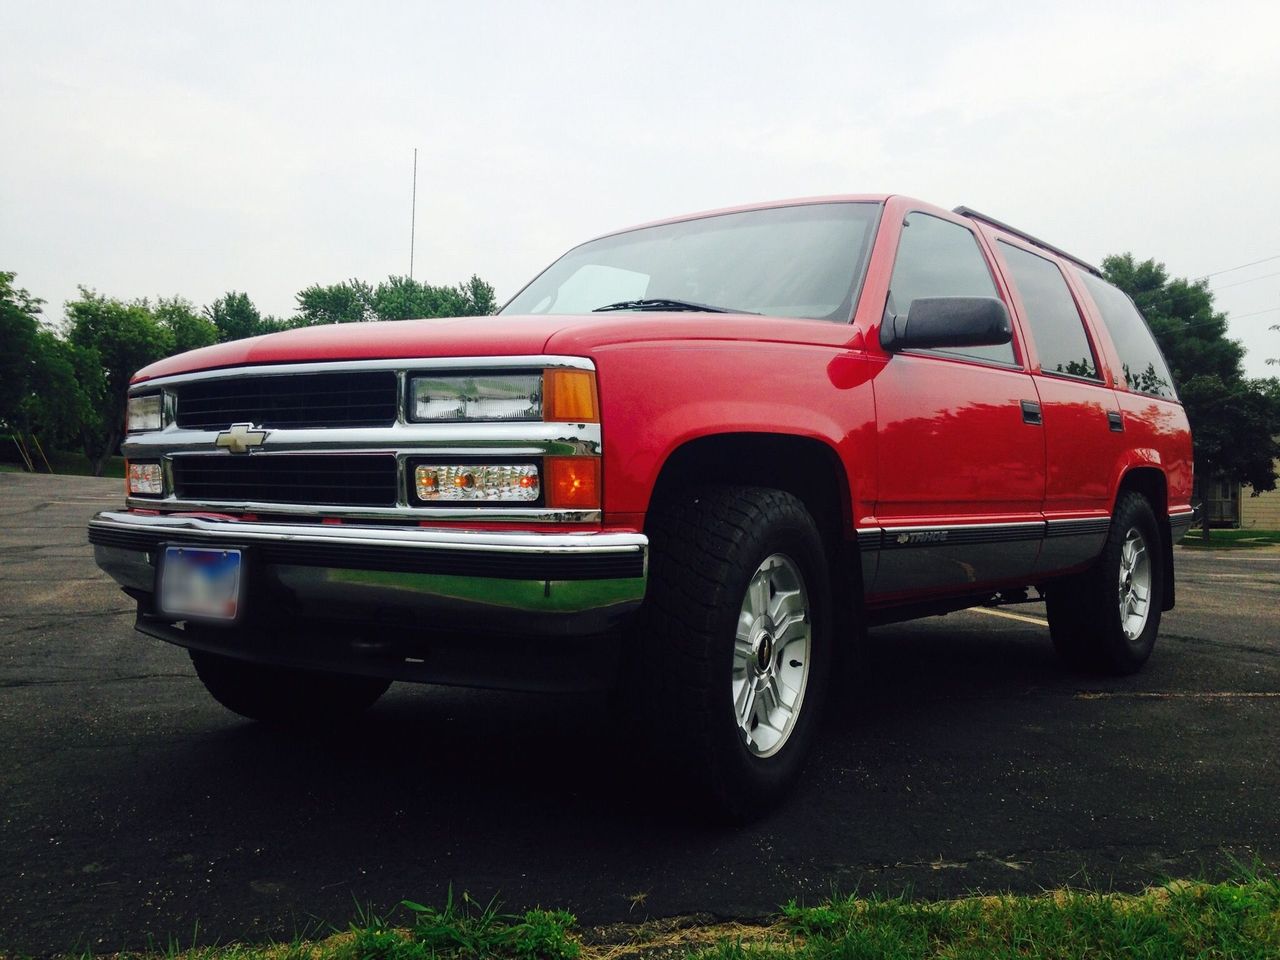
x=688, y=462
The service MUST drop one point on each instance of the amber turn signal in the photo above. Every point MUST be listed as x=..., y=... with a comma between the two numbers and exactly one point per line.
x=569, y=396
x=573, y=482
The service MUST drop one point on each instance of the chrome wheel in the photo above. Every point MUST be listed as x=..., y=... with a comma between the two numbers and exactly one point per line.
x=771, y=655
x=1135, y=584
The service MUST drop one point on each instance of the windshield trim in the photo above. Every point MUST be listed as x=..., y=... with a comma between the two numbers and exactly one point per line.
x=860, y=268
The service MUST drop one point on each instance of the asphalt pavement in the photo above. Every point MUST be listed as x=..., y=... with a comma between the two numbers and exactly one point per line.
x=134, y=809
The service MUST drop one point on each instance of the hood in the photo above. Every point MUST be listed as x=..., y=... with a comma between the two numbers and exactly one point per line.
x=492, y=336
x=387, y=339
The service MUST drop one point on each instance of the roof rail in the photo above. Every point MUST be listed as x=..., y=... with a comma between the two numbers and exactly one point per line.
x=1022, y=234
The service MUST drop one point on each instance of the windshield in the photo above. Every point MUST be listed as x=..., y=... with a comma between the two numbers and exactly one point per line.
x=804, y=261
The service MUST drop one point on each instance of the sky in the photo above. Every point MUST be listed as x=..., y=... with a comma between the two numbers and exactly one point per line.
x=153, y=149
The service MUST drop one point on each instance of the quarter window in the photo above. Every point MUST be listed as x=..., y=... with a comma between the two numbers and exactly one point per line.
x=1140, y=359
x=1056, y=327
x=937, y=258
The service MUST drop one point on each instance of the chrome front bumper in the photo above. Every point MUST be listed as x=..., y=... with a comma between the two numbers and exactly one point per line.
x=428, y=578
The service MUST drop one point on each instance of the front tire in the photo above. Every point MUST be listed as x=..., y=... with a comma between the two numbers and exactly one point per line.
x=734, y=646
x=1106, y=619
x=283, y=696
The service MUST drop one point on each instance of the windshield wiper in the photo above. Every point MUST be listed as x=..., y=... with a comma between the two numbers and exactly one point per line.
x=662, y=303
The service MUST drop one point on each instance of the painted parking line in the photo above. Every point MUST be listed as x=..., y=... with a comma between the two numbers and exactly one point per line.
x=1024, y=618
x=1178, y=695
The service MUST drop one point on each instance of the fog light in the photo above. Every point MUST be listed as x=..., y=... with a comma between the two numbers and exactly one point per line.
x=145, y=479
x=493, y=482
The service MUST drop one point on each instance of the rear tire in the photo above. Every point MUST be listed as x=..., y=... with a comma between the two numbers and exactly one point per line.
x=280, y=695
x=732, y=650
x=1106, y=619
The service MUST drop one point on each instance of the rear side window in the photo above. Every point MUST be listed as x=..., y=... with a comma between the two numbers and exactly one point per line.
x=1144, y=368
x=1056, y=327
x=937, y=258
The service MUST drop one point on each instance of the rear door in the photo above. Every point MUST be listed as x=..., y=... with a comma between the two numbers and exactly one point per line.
x=960, y=447
x=1083, y=425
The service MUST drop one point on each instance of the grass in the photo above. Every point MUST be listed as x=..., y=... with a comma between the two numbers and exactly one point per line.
x=1231, y=539
x=1239, y=919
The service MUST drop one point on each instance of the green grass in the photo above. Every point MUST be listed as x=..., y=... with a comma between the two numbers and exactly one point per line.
x=1231, y=539
x=1224, y=920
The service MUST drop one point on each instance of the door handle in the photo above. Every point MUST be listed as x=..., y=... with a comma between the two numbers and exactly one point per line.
x=1116, y=421
x=1031, y=413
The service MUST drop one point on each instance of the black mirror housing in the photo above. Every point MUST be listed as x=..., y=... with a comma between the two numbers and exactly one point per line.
x=933, y=323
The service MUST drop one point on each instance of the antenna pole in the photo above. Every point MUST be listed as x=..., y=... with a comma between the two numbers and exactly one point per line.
x=413, y=211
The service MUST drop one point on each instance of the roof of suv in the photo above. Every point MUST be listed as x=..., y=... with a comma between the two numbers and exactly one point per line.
x=1023, y=235
x=860, y=198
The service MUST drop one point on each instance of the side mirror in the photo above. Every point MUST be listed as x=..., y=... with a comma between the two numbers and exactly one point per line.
x=939, y=322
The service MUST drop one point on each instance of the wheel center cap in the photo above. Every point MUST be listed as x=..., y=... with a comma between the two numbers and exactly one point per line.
x=764, y=652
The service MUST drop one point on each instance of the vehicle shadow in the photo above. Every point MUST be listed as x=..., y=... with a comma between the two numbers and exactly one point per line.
x=428, y=760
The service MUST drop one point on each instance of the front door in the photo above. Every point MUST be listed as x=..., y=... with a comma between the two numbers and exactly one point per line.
x=960, y=440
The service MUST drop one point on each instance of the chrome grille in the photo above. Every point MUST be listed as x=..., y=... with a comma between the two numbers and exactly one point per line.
x=337, y=399
x=353, y=480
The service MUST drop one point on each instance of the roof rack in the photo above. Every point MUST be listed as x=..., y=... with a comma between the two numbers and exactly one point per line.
x=1022, y=234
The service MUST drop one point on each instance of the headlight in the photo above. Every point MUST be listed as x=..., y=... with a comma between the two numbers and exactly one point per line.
x=145, y=479
x=557, y=395
x=493, y=482
x=145, y=413
x=498, y=397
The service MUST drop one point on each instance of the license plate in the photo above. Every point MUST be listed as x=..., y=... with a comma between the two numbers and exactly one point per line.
x=200, y=582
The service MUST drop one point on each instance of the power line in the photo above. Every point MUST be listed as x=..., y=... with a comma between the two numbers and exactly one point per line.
x=1241, y=267
x=1256, y=313
x=1240, y=283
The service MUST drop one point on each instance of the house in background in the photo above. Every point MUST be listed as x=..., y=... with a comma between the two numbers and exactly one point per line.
x=1234, y=505
x=1261, y=512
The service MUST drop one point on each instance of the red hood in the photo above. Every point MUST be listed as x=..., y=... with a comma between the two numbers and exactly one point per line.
x=450, y=337
x=490, y=336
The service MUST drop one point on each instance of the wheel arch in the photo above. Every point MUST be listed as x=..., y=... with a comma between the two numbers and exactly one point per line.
x=1151, y=482
x=806, y=467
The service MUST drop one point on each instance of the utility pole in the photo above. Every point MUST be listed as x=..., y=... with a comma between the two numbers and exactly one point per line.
x=413, y=211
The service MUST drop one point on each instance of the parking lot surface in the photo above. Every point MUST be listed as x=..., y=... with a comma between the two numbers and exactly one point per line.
x=133, y=807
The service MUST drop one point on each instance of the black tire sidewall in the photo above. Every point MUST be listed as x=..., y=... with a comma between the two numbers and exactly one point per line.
x=763, y=780
x=1125, y=655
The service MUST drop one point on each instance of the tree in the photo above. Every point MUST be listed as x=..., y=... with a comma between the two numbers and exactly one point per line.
x=396, y=298
x=19, y=323
x=1234, y=421
x=56, y=405
x=479, y=297
x=1192, y=335
x=346, y=302
x=114, y=339
x=189, y=328
x=235, y=317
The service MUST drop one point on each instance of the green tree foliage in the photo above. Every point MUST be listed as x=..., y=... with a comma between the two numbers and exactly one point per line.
x=396, y=298
x=190, y=328
x=235, y=317
x=19, y=322
x=117, y=339
x=346, y=302
x=1191, y=333
x=1234, y=421
x=67, y=383
x=56, y=405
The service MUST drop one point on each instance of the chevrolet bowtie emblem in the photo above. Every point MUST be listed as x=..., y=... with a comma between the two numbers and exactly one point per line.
x=241, y=438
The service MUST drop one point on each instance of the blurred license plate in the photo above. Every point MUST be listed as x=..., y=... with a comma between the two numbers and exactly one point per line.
x=200, y=582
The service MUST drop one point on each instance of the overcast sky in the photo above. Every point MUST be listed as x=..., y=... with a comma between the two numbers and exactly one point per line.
x=174, y=148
